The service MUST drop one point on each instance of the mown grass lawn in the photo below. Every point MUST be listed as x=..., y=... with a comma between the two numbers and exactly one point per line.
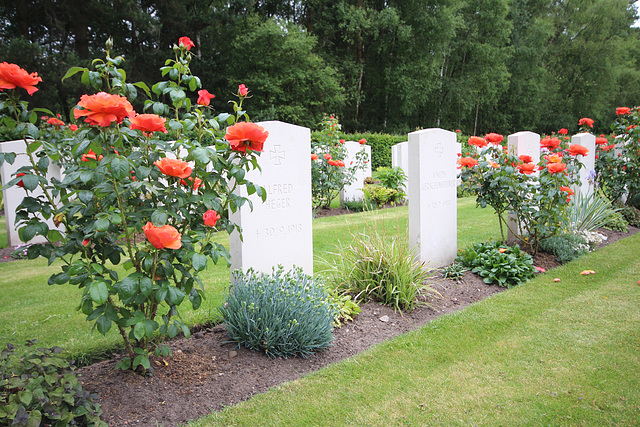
x=544, y=353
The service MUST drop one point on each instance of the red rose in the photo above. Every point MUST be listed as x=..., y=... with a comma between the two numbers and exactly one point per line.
x=210, y=218
x=245, y=136
x=586, y=121
x=494, y=138
x=556, y=167
x=314, y=157
x=173, y=167
x=602, y=141
x=12, y=76
x=162, y=237
x=102, y=109
x=458, y=130
x=563, y=131
x=340, y=163
x=342, y=141
x=55, y=122
x=242, y=90
x=567, y=190
x=362, y=141
x=467, y=162
x=204, y=97
x=554, y=158
x=327, y=156
x=550, y=143
x=85, y=242
x=526, y=168
x=91, y=156
x=148, y=123
x=577, y=149
x=20, y=183
x=526, y=159
x=189, y=182
x=73, y=127
x=477, y=141
x=186, y=43
x=623, y=110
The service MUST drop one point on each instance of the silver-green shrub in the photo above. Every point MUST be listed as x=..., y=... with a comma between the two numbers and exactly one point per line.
x=282, y=314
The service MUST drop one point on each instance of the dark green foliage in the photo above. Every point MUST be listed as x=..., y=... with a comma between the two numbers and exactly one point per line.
x=454, y=271
x=282, y=314
x=617, y=223
x=358, y=205
x=631, y=214
x=38, y=387
x=565, y=247
x=380, y=146
x=510, y=267
x=393, y=178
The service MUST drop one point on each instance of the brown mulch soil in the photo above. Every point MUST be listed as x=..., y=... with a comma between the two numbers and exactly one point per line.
x=207, y=373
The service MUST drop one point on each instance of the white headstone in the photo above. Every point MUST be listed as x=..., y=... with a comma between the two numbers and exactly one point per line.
x=353, y=191
x=587, y=171
x=400, y=159
x=13, y=196
x=432, y=191
x=519, y=144
x=278, y=231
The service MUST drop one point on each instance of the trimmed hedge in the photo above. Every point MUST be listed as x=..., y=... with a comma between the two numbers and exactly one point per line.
x=380, y=145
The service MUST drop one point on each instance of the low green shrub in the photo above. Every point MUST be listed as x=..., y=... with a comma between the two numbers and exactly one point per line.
x=380, y=195
x=495, y=263
x=630, y=214
x=358, y=205
x=617, y=222
x=376, y=267
x=282, y=314
x=454, y=271
x=393, y=178
x=344, y=306
x=38, y=387
x=380, y=146
x=565, y=247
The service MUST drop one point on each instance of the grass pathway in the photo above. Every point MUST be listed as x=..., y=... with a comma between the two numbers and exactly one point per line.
x=544, y=353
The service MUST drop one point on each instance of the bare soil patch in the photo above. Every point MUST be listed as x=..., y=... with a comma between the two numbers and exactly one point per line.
x=207, y=372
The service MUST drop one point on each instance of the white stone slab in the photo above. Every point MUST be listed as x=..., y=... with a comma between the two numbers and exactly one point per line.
x=519, y=144
x=278, y=231
x=13, y=196
x=432, y=191
x=587, y=171
x=353, y=191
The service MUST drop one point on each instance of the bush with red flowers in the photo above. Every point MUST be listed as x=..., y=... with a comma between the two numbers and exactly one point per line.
x=329, y=173
x=135, y=212
x=530, y=191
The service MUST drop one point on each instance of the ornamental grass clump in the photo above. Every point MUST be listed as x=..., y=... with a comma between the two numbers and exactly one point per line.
x=375, y=267
x=282, y=314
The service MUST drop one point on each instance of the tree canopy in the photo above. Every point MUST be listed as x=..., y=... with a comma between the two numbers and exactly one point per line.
x=389, y=66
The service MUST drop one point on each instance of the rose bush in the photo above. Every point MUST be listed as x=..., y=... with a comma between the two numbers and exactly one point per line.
x=130, y=199
x=618, y=159
x=531, y=192
x=331, y=175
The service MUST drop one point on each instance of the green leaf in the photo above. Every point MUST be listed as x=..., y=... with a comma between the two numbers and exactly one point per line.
x=102, y=224
x=119, y=168
x=141, y=360
x=146, y=286
x=139, y=330
x=128, y=287
x=175, y=295
x=177, y=95
x=72, y=71
x=86, y=176
x=30, y=182
x=99, y=292
x=199, y=261
x=159, y=218
x=103, y=324
x=85, y=196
